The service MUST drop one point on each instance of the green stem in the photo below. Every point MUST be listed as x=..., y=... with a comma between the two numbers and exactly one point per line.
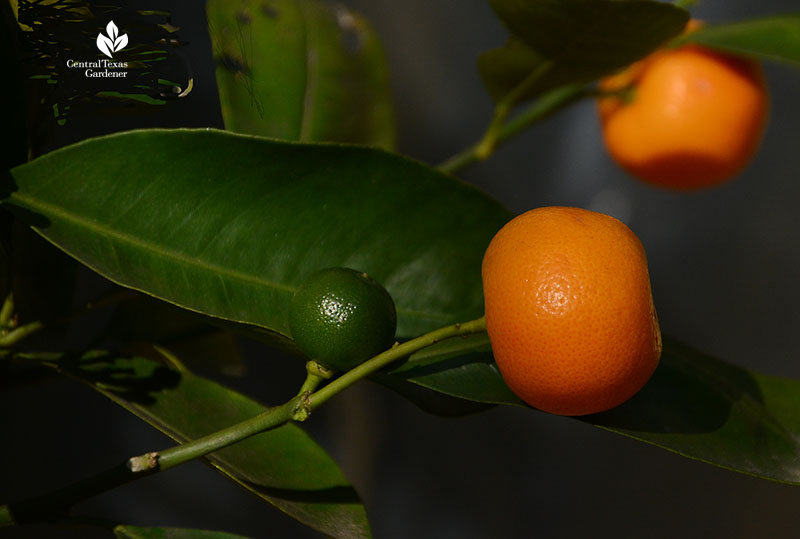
x=487, y=144
x=316, y=374
x=543, y=107
x=301, y=406
x=57, y=502
x=391, y=355
x=685, y=4
x=179, y=454
x=296, y=409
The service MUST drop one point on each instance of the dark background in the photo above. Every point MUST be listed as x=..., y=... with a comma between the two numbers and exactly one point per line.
x=724, y=267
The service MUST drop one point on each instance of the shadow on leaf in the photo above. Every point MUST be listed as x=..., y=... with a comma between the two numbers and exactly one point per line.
x=134, y=380
x=429, y=400
x=332, y=495
x=410, y=370
x=689, y=393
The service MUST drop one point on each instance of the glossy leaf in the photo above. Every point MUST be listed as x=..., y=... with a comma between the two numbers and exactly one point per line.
x=138, y=532
x=573, y=41
x=772, y=38
x=300, y=70
x=283, y=466
x=716, y=412
x=459, y=367
x=430, y=400
x=694, y=405
x=229, y=225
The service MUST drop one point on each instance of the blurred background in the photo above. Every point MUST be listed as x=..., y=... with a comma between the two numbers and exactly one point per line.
x=724, y=266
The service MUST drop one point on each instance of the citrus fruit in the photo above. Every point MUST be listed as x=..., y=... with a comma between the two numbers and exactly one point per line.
x=569, y=310
x=693, y=118
x=341, y=317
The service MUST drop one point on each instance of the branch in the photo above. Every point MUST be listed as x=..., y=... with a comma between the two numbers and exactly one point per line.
x=55, y=505
x=543, y=107
x=391, y=355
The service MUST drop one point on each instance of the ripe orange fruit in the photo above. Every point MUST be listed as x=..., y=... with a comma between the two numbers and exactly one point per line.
x=694, y=117
x=569, y=310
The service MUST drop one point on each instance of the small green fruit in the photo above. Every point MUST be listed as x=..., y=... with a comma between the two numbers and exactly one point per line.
x=341, y=317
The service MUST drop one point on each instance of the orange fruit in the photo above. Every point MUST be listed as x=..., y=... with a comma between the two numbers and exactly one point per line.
x=694, y=117
x=569, y=310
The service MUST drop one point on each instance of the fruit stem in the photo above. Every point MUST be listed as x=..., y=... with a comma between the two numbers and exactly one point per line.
x=543, y=107
x=298, y=408
x=502, y=109
x=390, y=356
x=488, y=143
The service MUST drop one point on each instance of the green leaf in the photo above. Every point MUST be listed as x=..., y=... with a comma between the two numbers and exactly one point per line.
x=462, y=367
x=694, y=405
x=573, y=41
x=138, y=532
x=300, y=70
x=429, y=400
x=230, y=225
x=283, y=466
x=772, y=38
x=715, y=412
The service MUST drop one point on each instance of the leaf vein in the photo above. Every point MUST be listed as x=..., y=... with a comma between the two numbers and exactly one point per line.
x=103, y=229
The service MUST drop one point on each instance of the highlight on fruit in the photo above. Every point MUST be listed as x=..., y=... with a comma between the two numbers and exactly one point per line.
x=341, y=317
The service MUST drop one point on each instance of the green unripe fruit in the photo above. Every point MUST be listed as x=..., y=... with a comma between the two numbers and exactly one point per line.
x=341, y=317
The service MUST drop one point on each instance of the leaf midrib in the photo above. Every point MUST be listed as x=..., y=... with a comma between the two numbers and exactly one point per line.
x=108, y=232
x=309, y=85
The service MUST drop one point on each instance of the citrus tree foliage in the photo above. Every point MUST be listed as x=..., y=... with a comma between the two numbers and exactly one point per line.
x=203, y=234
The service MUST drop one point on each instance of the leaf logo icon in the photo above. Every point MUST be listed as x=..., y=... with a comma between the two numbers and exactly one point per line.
x=113, y=42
